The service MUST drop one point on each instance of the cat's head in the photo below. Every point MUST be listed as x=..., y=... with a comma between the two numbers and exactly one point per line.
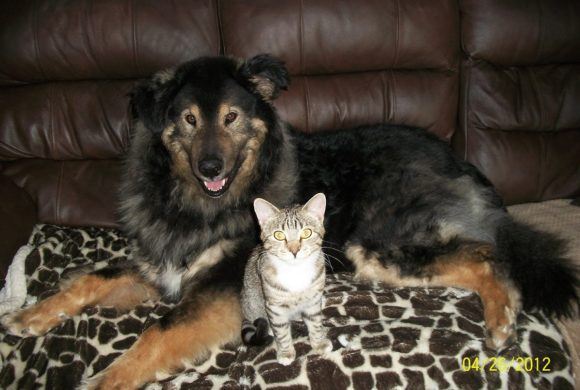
x=295, y=233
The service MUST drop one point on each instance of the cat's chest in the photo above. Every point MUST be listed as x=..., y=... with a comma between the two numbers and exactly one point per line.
x=295, y=278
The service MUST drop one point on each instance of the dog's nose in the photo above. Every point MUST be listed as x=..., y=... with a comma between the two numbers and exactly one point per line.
x=210, y=167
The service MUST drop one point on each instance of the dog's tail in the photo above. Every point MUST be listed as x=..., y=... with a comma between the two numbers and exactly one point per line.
x=547, y=280
x=256, y=333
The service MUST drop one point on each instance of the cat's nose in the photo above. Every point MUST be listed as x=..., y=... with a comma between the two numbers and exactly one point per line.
x=294, y=247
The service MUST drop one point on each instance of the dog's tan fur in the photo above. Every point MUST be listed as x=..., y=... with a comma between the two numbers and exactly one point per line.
x=123, y=292
x=217, y=322
x=469, y=267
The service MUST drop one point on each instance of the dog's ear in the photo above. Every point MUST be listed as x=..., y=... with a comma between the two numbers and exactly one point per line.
x=149, y=99
x=267, y=75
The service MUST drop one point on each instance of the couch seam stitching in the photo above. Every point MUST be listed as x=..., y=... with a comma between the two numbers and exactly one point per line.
x=36, y=46
x=134, y=35
x=302, y=37
x=58, y=193
x=398, y=19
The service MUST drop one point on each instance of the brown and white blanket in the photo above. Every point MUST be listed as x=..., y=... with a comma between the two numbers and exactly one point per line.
x=404, y=338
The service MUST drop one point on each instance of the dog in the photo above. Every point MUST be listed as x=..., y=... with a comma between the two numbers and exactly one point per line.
x=402, y=208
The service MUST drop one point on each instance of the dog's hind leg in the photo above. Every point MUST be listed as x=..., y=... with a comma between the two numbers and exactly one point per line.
x=207, y=320
x=472, y=267
x=121, y=288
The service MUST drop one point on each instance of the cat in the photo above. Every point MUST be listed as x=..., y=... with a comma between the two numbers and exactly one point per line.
x=285, y=276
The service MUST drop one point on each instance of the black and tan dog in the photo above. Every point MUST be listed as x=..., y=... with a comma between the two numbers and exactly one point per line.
x=207, y=141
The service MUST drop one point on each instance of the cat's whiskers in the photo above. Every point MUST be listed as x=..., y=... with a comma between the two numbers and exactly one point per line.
x=328, y=262
x=325, y=241
x=326, y=255
x=332, y=248
x=334, y=257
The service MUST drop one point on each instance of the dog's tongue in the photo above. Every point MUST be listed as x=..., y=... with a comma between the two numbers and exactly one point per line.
x=215, y=185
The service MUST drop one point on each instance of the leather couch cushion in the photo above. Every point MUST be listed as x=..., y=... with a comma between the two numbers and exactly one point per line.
x=417, y=98
x=355, y=62
x=102, y=39
x=65, y=121
x=521, y=32
x=339, y=36
x=520, y=88
x=66, y=68
x=17, y=216
x=78, y=193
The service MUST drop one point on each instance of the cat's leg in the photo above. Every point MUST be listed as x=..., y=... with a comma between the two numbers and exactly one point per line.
x=256, y=332
x=208, y=319
x=312, y=317
x=117, y=287
x=280, y=324
x=255, y=328
x=471, y=266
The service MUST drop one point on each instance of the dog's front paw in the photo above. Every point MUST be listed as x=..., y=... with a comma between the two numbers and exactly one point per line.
x=31, y=322
x=110, y=379
x=322, y=347
x=286, y=357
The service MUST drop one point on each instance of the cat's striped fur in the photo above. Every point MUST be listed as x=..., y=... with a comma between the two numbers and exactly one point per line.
x=284, y=278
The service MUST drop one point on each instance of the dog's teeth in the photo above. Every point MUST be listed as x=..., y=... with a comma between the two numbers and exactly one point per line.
x=215, y=185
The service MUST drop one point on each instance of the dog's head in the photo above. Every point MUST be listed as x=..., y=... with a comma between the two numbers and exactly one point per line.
x=212, y=115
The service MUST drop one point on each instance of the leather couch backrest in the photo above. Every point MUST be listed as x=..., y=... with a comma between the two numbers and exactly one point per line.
x=356, y=62
x=519, y=110
x=66, y=68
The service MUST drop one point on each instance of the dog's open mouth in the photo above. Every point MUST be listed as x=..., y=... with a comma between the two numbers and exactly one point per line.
x=216, y=188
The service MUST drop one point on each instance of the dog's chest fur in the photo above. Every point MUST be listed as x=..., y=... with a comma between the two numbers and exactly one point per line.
x=170, y=278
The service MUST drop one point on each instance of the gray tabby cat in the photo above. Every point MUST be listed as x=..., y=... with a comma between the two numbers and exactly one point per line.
x=285, y=277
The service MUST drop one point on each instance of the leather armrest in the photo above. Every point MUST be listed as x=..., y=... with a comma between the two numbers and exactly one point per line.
x=17, y=218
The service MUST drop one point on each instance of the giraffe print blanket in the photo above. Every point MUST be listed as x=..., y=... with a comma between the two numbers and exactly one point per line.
x=402, y=338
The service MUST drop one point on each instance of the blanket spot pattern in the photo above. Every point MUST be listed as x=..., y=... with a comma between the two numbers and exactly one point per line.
x=402, y=337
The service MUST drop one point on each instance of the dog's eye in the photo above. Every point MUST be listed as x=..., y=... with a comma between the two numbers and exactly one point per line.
x=306, y=233
x=280, y=236
x=190, y=118
x=230, y=117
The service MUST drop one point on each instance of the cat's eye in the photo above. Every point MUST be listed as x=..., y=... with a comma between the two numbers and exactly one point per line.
x=190, y=118
x=280, y=236
x=230, y=117
x=305, y=233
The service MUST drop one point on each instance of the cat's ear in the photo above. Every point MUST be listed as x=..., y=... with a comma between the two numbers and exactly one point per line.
x=316, y=206
x=264, y=210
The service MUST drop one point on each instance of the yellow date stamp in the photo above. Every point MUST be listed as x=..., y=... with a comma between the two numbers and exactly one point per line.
x=503, y=364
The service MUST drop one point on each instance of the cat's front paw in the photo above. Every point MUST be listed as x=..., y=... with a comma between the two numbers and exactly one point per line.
x=286, y=357
x=322, y=347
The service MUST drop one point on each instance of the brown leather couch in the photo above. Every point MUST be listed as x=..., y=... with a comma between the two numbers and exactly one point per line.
x=500, y=79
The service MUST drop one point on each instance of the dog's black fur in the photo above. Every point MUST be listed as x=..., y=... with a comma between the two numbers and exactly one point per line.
x=408, y=179
x=152, y=195
x=388, y=189
x=399, y=193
